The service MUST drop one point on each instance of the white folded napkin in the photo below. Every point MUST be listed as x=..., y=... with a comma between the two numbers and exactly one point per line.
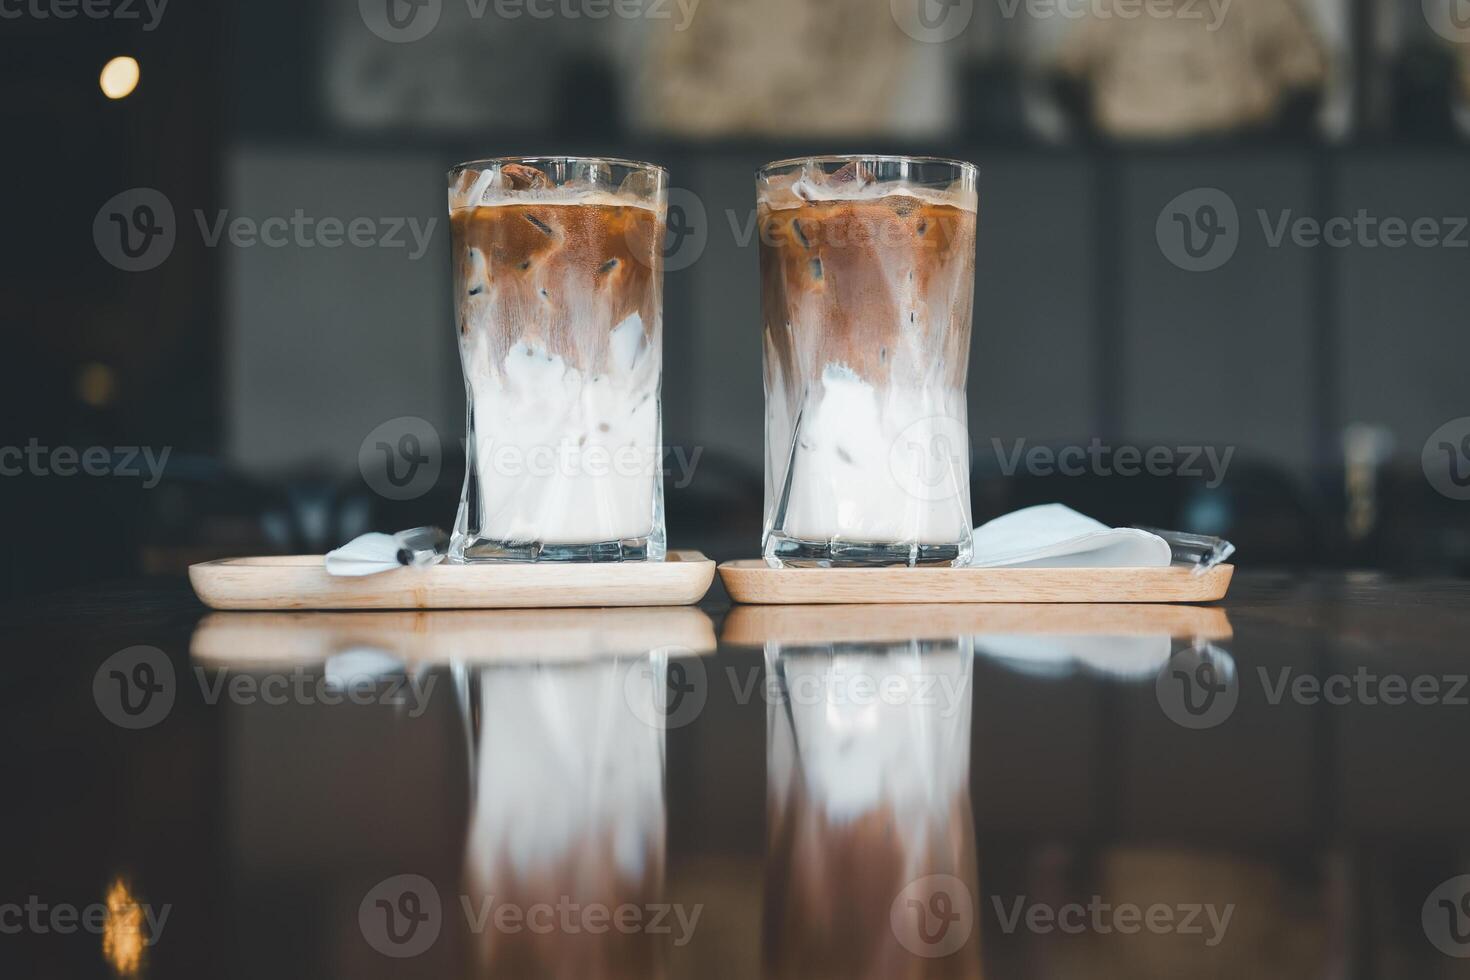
x=1056, y=536
x=374, y=553
x=365, y=555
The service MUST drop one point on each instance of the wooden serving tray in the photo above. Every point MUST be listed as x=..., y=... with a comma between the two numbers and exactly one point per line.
x=302, y=582
x=753, y=581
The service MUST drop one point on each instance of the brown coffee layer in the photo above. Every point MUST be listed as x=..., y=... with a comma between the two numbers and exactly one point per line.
x=557, y=275
x=883, y=286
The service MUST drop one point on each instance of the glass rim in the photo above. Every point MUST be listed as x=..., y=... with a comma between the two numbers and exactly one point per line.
x=964, y=166
x=481, y=164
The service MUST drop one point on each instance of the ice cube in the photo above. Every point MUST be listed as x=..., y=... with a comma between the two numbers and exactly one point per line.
x=627, y=342
x=519, y=177
x=469, y=188
x=848, y=173
x=641, y=185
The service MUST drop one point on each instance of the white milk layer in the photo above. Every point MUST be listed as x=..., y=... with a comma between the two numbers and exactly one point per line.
x=564, y=458
x=871, y=465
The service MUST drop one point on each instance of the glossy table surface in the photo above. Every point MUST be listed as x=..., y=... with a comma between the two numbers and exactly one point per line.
x=1271, y=787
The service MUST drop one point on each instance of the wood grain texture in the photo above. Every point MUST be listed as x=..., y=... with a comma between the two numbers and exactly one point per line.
x=263, y=639
x=757, y=625
x=302, y=582
x=752, y=581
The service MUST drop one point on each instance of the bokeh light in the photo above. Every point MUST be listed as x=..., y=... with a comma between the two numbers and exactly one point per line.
x=119, y=77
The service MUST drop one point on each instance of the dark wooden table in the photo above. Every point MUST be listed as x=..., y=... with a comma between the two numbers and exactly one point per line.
x=1042, y=791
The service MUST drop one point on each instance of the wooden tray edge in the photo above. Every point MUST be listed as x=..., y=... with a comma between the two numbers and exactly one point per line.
x=686, y=581
x=751, y=582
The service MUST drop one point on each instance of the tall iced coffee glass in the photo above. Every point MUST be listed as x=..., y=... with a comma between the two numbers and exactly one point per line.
x=558, y=297
x=867, y=281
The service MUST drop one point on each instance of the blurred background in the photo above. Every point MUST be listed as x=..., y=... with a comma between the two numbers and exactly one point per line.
x=1222, y=255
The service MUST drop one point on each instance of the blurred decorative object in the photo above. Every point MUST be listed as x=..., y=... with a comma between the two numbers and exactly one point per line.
x=1365, y=449
x=448, y=67
x=1418, y=82
x=784, y=68
x=124, y=937
x=1462, y=110
x=1423, y=96
x=1450, y=19
x=96, y=384
x=1257, y=905
x=1200, y=70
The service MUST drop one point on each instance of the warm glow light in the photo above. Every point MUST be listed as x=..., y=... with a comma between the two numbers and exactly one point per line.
x=122, y=937
x=96, y=384
x=119, y=77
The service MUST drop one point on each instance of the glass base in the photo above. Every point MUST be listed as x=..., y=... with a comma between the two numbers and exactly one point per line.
x=782, y=550
x=481, y=549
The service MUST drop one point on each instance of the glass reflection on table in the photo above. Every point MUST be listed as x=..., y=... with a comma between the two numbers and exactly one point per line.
x=870, y=864
x=560, y=715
